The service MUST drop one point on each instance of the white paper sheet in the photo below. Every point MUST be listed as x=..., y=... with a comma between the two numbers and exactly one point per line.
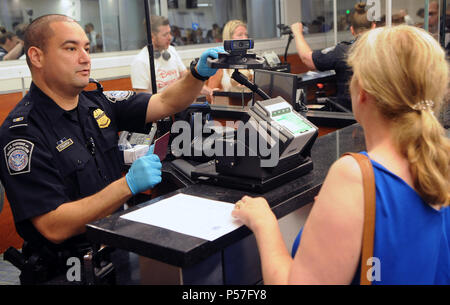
x=190, y=215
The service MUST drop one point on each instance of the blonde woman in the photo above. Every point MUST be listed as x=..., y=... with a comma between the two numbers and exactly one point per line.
x=399, y=81
x=233, y=30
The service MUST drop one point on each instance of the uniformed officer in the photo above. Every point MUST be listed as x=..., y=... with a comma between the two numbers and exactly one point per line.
x=61, y=165
x=334, y=58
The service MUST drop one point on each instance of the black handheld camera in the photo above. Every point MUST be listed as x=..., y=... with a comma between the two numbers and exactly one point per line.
x=237, y=56
x=238, y=47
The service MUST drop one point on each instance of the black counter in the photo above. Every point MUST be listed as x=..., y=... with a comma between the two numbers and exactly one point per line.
x=183, y=251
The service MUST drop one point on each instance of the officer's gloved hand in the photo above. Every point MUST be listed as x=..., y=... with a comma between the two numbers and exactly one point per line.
x=202, y=65
x=144, y=173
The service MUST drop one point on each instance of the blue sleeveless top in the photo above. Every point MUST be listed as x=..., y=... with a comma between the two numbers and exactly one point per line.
x=412, y=240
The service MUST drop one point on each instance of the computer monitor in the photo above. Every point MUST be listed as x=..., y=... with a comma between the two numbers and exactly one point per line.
x=277, y=84
x=191, y=4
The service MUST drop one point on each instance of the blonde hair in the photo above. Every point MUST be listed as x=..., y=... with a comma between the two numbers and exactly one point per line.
x=402, y=67
x=230, y=27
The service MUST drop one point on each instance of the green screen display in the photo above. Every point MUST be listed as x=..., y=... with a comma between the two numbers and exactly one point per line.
x=293, y=123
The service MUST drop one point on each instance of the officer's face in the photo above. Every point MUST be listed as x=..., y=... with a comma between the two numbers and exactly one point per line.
x=67, y=62
x=162, y=39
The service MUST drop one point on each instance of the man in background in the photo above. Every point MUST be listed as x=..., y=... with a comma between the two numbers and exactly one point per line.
x=92, y=36
x=11, y=47
x=168, y=64
x=433, y=21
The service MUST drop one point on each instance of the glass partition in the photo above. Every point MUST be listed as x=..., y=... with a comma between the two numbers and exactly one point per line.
x=119, y=25
x=412, y=12
x=318, y=17
x=318, y=20
x=202, y=21
x=344, y=10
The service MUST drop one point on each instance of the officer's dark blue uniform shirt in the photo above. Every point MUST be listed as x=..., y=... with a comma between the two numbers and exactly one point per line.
x=335, y=58
x=52, y=156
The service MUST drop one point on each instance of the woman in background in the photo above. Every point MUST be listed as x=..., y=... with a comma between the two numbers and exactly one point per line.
x=233, y=30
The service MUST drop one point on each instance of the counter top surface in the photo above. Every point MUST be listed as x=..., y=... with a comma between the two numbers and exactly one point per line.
x=182, y=250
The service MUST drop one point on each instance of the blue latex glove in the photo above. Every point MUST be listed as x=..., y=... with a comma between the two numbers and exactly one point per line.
x=202, y=65
x=144, y=173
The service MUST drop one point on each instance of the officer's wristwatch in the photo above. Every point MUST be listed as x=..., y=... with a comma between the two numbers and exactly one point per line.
x=195, y=73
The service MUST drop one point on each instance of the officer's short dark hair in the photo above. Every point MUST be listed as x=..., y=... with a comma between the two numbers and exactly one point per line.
x=157, y=21
x=39, y=31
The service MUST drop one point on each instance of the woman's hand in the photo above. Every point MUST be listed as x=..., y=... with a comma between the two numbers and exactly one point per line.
x=255, y=213
x=208, y=92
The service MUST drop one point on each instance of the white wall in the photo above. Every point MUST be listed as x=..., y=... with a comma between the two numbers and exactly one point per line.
x=257, y=9
x=291, y=10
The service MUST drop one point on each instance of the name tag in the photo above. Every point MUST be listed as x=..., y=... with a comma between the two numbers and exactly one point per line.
x=63, y=144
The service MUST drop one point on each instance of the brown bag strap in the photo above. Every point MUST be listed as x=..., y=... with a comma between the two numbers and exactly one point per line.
x=369, y=213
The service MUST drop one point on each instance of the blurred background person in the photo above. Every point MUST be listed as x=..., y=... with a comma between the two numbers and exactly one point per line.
x=92, y=36
x=168, y=65
x=11, y=46
x=233, y=30
x=433, y=20
x=334, y=58
x=407, y=18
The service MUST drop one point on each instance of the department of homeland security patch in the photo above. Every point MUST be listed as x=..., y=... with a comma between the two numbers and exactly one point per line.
x=118, y=96
x=18, y=156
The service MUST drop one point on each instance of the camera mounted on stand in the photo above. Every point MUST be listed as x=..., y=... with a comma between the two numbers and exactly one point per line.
x=272, y=143
x=237, y=56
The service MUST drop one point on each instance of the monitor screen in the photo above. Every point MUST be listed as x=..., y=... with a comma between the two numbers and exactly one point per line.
x=172, y=4
x=277, y=84
x=191, y=3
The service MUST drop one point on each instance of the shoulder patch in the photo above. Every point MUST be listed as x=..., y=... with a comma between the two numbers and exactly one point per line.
x=18, y=156
x=118, y=96
x=328, y=50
